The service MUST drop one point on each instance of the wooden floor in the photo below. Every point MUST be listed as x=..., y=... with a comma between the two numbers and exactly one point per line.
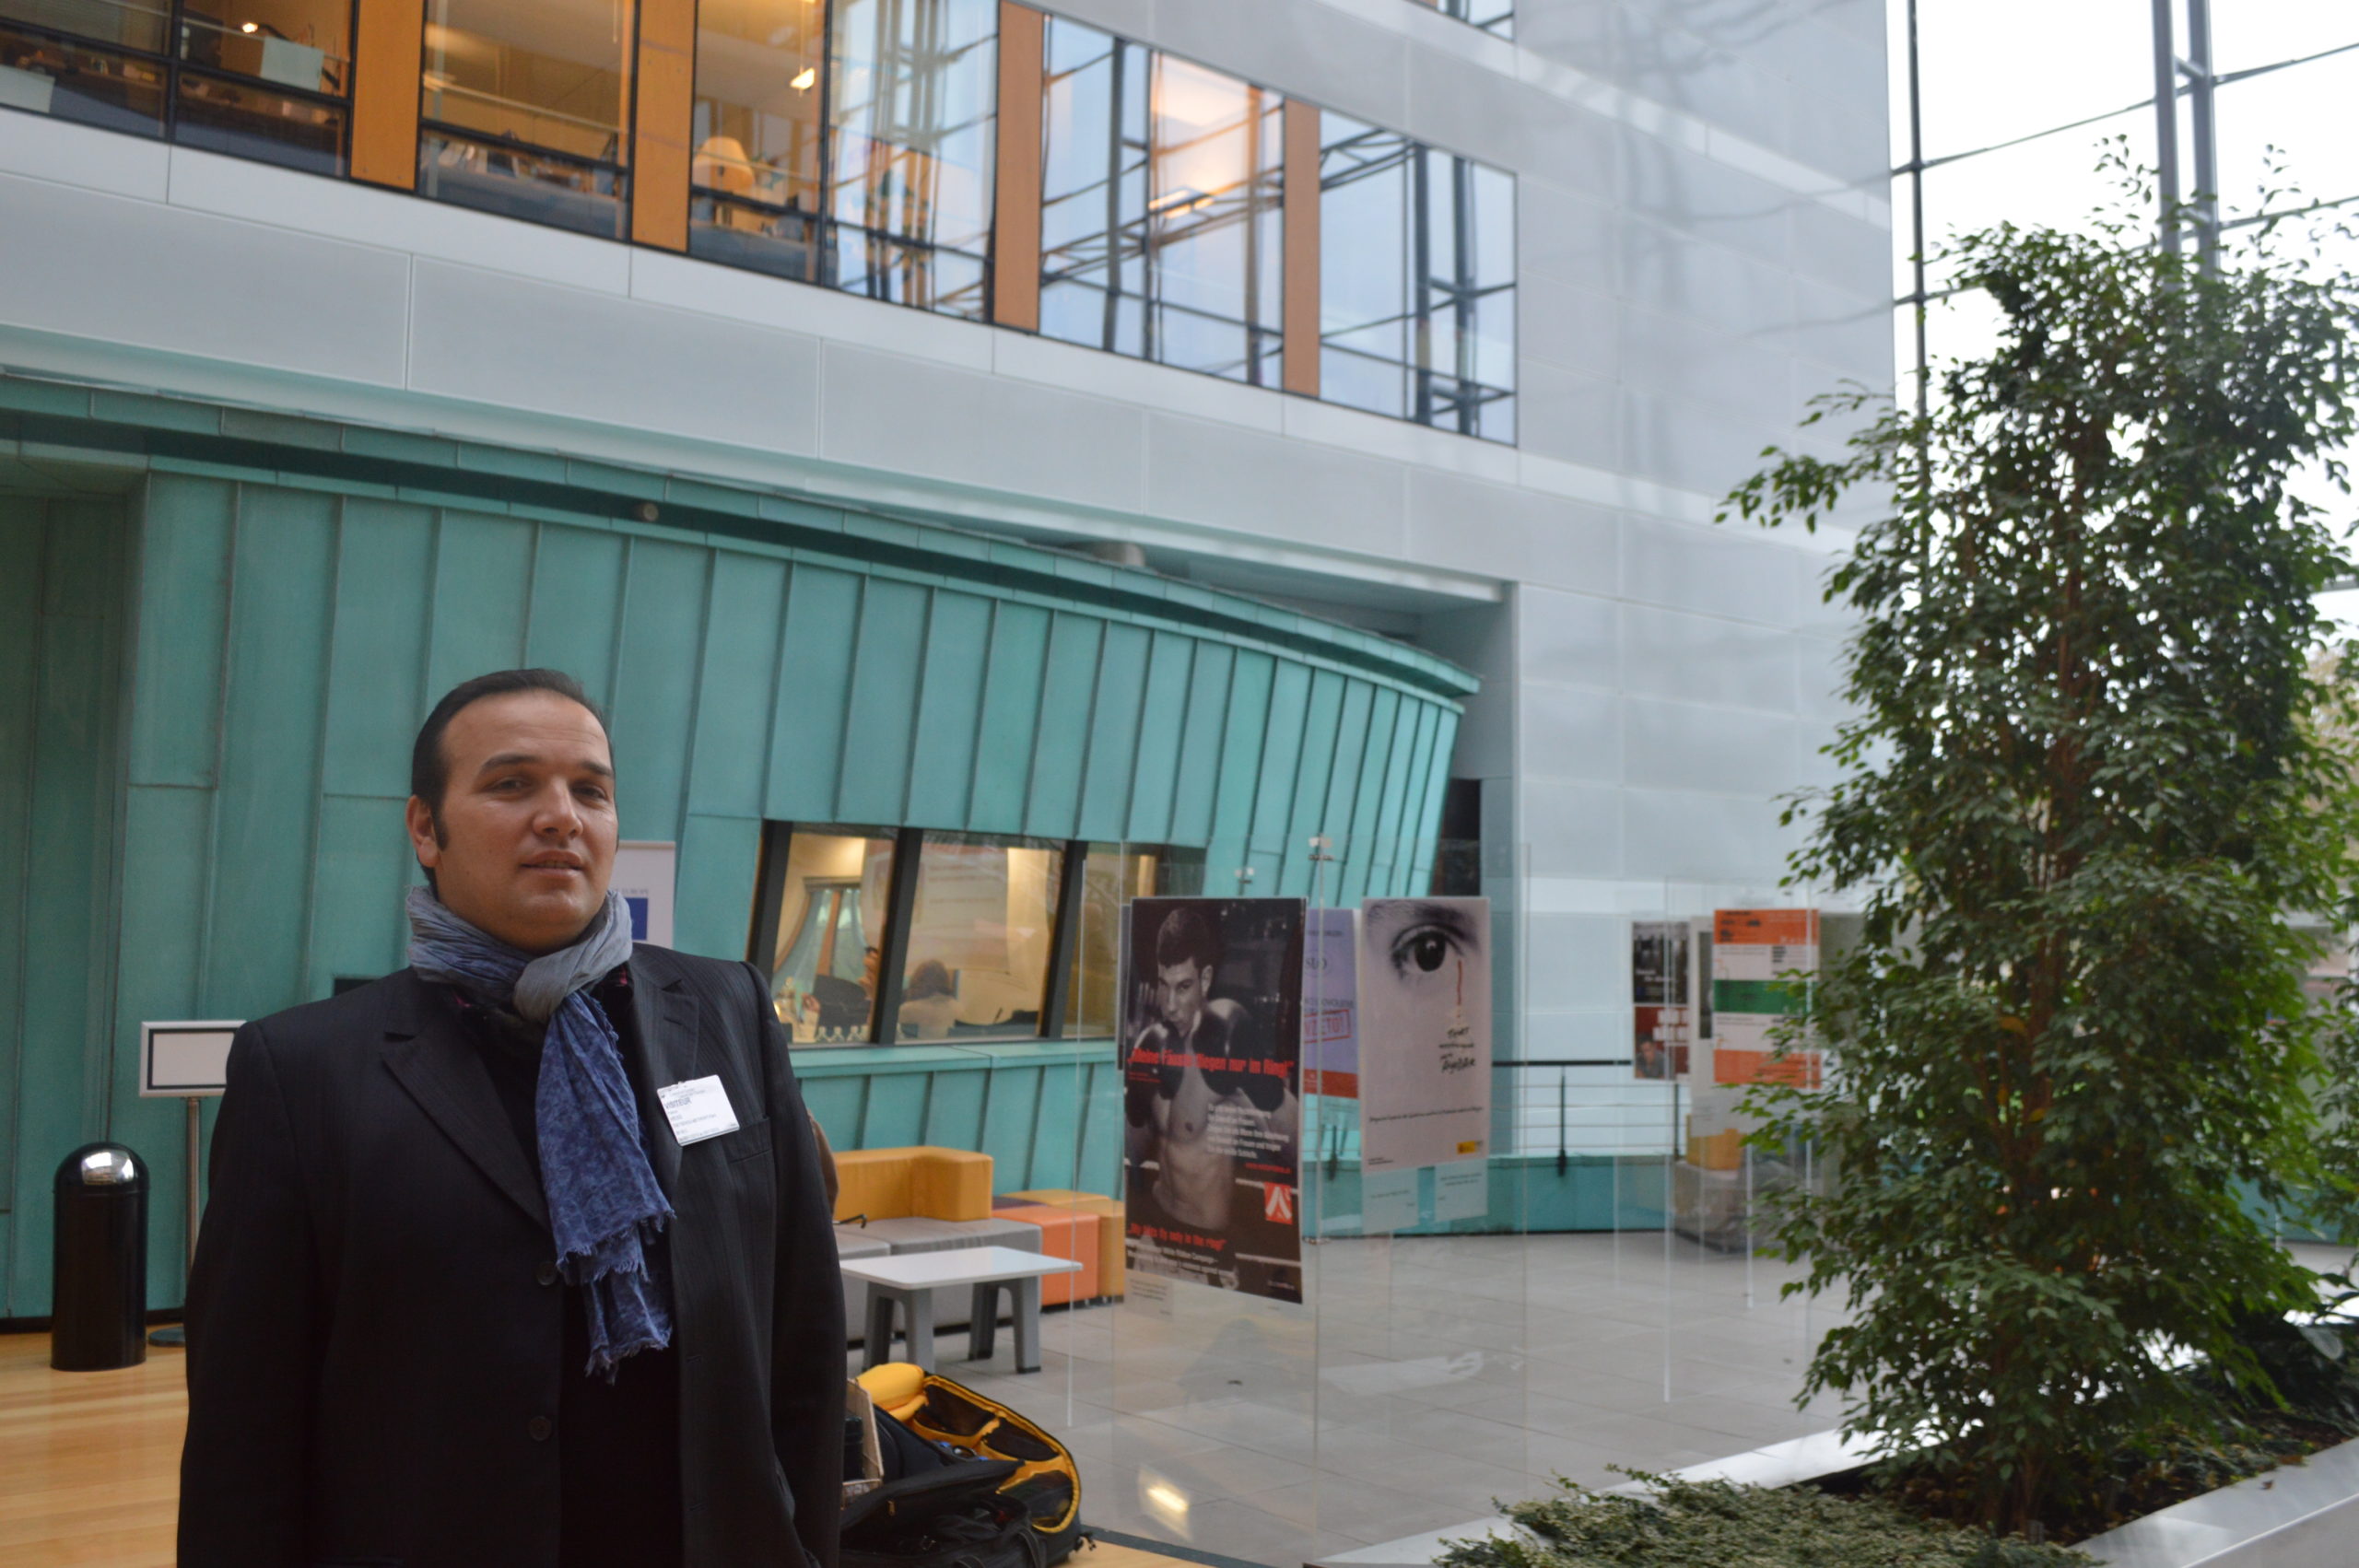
x=90, y=1461
x=89, y=1464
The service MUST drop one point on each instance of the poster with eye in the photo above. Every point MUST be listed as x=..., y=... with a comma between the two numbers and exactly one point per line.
x=1663, y=1019
x=1424, y=1031
x=1211, y=1042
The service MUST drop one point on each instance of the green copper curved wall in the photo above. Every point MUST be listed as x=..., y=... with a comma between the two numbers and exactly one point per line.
x=293, y=599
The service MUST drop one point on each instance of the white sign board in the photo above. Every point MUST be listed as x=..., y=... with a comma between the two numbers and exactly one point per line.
x=1424, y=1031
x=180, y=1060
x=643, y=875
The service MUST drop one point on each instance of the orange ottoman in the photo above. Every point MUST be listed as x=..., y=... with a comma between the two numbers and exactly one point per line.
x=1065, y=1232
x=1111, y=1260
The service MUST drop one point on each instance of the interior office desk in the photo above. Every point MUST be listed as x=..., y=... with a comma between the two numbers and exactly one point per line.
x=910, y=1280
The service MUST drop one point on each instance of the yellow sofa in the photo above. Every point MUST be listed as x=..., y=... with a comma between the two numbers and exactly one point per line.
x=920, y=1183
x=1109, y=1226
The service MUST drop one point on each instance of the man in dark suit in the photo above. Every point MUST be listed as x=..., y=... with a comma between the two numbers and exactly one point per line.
x=518, y=1257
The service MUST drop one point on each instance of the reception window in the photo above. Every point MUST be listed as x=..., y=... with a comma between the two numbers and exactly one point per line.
x=982, y=932
x=1416, y=301
x=828, y=917
x=525, y=109
x=911, y=85
x=266, y=79
x=755, y=178
x=1160, y=217
x=909, y=936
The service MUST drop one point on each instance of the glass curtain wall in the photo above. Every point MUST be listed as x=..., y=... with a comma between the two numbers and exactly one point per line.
x=267, y=79
x=912, y=86
x=1416, y=287
x=526, y=109
x=1494, y=16
x=756, y=174
x=1160, y=216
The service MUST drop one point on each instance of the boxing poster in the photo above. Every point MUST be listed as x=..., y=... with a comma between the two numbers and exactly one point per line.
x=1424, y=1031
x=1211, y=1048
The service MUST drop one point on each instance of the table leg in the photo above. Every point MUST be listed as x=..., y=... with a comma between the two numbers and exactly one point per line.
x=879, y=1348
x=983, y=1322
x=1027, y=1324
x=920, y=1307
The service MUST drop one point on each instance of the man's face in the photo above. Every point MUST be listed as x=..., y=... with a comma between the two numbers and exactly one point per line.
x=1180, y=991
x=526, y=841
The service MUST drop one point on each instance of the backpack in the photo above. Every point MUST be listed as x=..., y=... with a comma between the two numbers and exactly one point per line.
x=955, y=1516
x=1037, y=1470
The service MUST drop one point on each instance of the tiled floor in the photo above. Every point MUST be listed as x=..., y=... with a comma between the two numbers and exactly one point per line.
x=1435, y=1374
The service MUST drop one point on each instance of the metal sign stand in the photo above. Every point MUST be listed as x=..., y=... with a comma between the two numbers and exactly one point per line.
x=176, y=1333
x=187, y=1061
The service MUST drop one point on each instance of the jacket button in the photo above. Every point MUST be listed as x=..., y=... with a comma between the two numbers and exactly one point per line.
x=545, y=1274
x=540, y=1427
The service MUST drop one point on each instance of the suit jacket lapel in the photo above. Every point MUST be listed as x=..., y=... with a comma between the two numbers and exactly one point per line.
x=665, y=1016
x=432, y=1058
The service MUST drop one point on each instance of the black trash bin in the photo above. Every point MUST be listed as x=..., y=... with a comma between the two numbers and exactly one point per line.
x=100, y=1311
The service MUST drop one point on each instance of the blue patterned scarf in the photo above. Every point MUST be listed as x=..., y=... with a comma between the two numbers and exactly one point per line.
x=604, y=1202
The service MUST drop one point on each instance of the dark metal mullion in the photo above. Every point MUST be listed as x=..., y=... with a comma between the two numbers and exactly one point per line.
x=1462, y=282
x=892, y=954
x=1064, y=945
x=1420, y=274
x=1916, y=211
x=1110, y=316
x=769, y=894
x=823, y=219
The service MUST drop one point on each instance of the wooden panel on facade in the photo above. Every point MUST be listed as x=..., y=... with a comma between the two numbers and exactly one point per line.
x=387, y=57
x=1299, y=316
x=663, y=124
x=1015, y=229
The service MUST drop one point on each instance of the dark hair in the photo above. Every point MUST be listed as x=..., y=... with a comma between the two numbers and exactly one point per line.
x=429, y=770
x=929, y=978
x=1184, y=938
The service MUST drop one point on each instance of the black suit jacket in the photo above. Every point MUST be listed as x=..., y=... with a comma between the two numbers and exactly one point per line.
x=375, y=1337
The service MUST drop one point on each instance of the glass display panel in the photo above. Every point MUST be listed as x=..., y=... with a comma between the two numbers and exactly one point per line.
x=980, y=931
x=1416, y=281
x=139, y=24
x=910, y=86
x=830, y=933
x=527, y=106
x=62, y=77
x=2295, y=118
x=2093, y=57
x=757, y=131
x=1161, y=228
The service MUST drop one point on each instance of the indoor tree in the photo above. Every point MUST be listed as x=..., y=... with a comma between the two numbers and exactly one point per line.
x=2084, y=786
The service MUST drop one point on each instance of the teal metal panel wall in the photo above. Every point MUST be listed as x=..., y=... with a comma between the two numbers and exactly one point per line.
x=289, y=636
x=62, y=589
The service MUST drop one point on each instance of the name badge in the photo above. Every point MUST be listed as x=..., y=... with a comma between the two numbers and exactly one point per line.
x=698, y=1109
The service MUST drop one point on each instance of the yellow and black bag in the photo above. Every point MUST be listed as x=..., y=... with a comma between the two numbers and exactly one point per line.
x=1046, y=1479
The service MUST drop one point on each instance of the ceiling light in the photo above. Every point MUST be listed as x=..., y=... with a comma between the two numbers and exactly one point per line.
x=804, y=77
x=250, y=27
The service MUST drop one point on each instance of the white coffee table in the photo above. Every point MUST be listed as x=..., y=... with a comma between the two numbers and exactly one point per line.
x=912, y=1279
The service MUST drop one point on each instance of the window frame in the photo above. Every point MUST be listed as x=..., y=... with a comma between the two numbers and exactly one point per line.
x=172, y=67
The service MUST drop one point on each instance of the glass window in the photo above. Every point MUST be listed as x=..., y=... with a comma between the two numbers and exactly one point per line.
x=1491, y=15
x=830, y=932
x=266, y=79
x=912, y=84
x=980, y=931
x=1416, y=288
x=755, y=172
x=257, y=78
x=525, y=109
x=1161, y=226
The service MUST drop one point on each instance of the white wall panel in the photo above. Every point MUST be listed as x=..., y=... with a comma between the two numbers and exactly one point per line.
x=905, y=416
x=1267, y=486
x=1514, y=535
x=89, y=264
x=1704, y=659
x=1687, y=746
x=1722, y=569
x=1570, y=638
x=496, y=339
x=1677, y=833
x=1571, y=830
